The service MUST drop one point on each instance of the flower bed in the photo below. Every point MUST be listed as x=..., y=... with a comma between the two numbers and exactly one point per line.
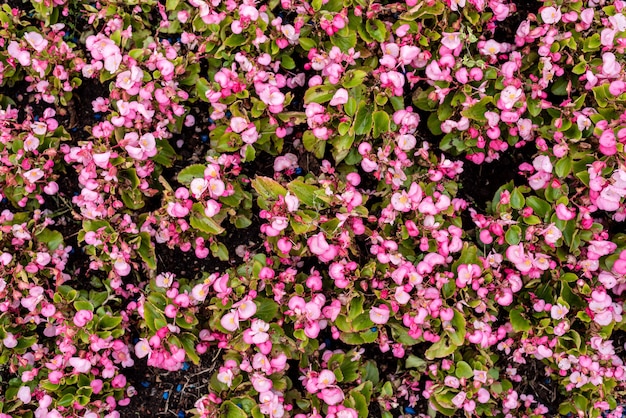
x=335, y=209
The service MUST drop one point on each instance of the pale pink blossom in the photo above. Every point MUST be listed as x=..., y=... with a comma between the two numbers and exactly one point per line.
x=379, y=314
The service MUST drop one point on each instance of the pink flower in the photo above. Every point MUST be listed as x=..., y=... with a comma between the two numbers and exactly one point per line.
x=238, y=124
x=610, y=65
x=551, y=15
x=22, y=55
x=225, y=376
x=558, y=311
x=320, y=247
x=212, y=208
x=200, y=292
x=332, y=396
x=82, y=318
x=325, y=379
x=406, y=142
x=260, y=383
x=23, y=394
x=230, y=321
x=451, y=40
x=459, y=399
x=564, y=213
x=340, y=97
x=9, y=341
x=515, y=253
x=245, y=309
x=80, y=365
x=36, y=41
x=379, y=314
x=250, y=135
x=509, y=96
x=142, y=348
x=483, y=395
x=33, y=175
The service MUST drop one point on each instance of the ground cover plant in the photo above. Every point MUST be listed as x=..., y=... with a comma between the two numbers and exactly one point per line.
x=335, y=208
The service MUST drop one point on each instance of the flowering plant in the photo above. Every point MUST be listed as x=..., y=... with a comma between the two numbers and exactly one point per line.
x=353, y=208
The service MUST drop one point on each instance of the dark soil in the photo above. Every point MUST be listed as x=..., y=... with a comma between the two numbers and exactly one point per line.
x=161, y=393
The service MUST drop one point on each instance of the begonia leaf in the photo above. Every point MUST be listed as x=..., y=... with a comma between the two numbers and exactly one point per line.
x=519, y=323
x=193, y=171
x=202, y=222
x=381, y=123
x=363, y=120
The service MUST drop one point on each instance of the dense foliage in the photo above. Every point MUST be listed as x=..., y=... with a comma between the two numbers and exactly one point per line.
x=339, y=130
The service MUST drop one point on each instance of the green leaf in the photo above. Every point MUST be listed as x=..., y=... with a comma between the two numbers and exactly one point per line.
x=540, y=207
x=360, y=404
x=188, y=342
x=304, y=192
x=52, y=238
x=349, y=369
x=202, y=86
x=83, y=305
x=463, y=370
x=353, y=78
x=194, y=171
x=344, y=39
x=266, y=309
x=477, y=110
x=514, y=235
x=319, y=94
x=440, y=349
x=601, y=94
x=268, y=188
x=202, y=222
x=307, y=43
x=230, y=410
x=518, y=322
x=413, y=361
x=155, y=319
x=109, y=322
x=458, y=322
x=559, y=87
x=381, y=123
x=362, y=322
x=146, y=251
x=363, y=120
x=563, y=167
x=376, y=29
x=517, y=199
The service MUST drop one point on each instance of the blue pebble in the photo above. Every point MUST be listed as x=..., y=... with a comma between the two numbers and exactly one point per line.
x=179, y=387
x=166, y=395
x=181, y=414
x=204, y=137
x=298, y=171
x=409, y=410
x=97, y=116
x=135, y=340
x=228, y=114
x=185, y=366
x=211, y=121
x=36, y=118
x=4, y=200
x=145, y=384
x=178, y=39
x=74, y=129
x=374, y=329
